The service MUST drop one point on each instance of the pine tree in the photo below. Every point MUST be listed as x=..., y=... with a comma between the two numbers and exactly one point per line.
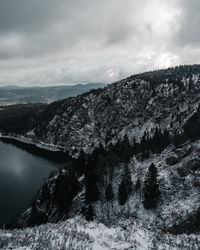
x=151, y=188
x=45, y=193
x=166, y=138
x=92, y=192
x=79, y=163
x=126, y=149
x=125, y=187
x=37, y=216
x=138, y=184
x=66, y=187
x=109, y=193
x=89, y=215
x=190, y=83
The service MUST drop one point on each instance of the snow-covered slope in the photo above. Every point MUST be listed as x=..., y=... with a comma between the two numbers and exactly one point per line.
x=78, y=234
x=178, y=179
x=165, y=99
x=133, y=106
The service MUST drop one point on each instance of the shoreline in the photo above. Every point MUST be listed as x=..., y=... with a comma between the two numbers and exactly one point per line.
x=47, y=151
x=28, y=140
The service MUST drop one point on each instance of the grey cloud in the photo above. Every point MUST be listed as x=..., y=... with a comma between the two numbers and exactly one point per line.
x=189, y=27
x=28, y=15
x=48, y=26
x=42, y=26
x=69, y=41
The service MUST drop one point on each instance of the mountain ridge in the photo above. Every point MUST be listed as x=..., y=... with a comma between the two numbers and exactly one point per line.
x=117, y=136
x=11, y=95
x=134, y=106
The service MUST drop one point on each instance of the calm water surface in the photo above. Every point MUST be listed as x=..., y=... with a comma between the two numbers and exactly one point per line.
x=21, y=175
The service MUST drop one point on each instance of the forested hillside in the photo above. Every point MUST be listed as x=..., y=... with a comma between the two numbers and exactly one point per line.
x=135, y=148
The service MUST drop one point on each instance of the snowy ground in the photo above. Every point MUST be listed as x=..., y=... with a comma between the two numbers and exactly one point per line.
x=79, y=234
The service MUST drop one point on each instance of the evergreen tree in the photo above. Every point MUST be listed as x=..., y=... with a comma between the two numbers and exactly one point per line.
x=92, y=192
x=109, y=193
x=190, y=83
x=36, y=217
x=138, y=184
x=191, y=128
x=158, y=140
x=125, y=187
x=79, y=163
x=66, y=187
x=144, y=143
x=123, y=149
x=45, y=193
x=89, y=214
x=151, y=188
x=126, y=148
x=166, y=138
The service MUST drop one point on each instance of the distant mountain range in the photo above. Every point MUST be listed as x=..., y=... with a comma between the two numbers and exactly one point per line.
x=11, y=95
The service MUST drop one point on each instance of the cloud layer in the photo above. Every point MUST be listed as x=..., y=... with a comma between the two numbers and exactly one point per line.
x=64, y=42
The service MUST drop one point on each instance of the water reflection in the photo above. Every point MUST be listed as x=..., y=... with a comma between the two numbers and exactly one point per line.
x=21, y=174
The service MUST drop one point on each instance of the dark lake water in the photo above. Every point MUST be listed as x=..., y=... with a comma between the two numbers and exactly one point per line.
x=21, y=175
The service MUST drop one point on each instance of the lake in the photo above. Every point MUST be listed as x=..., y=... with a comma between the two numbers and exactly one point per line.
x=21, y=175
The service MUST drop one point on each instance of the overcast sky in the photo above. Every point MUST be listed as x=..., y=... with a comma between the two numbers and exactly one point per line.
x=48, y=42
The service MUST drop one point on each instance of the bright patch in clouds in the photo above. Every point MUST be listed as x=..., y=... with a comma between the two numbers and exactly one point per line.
x=65, y=42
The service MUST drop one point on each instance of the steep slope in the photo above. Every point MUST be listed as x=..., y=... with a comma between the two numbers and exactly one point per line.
x=140, y=137
x=71, y=192
x=78, y=234
x=138, y=105
x=128, y=225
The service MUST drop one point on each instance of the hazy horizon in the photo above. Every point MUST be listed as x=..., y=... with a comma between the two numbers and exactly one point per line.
x=51, y=85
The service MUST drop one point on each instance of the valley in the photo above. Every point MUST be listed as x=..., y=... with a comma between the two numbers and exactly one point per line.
x=13, y=95
x=133, y=165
